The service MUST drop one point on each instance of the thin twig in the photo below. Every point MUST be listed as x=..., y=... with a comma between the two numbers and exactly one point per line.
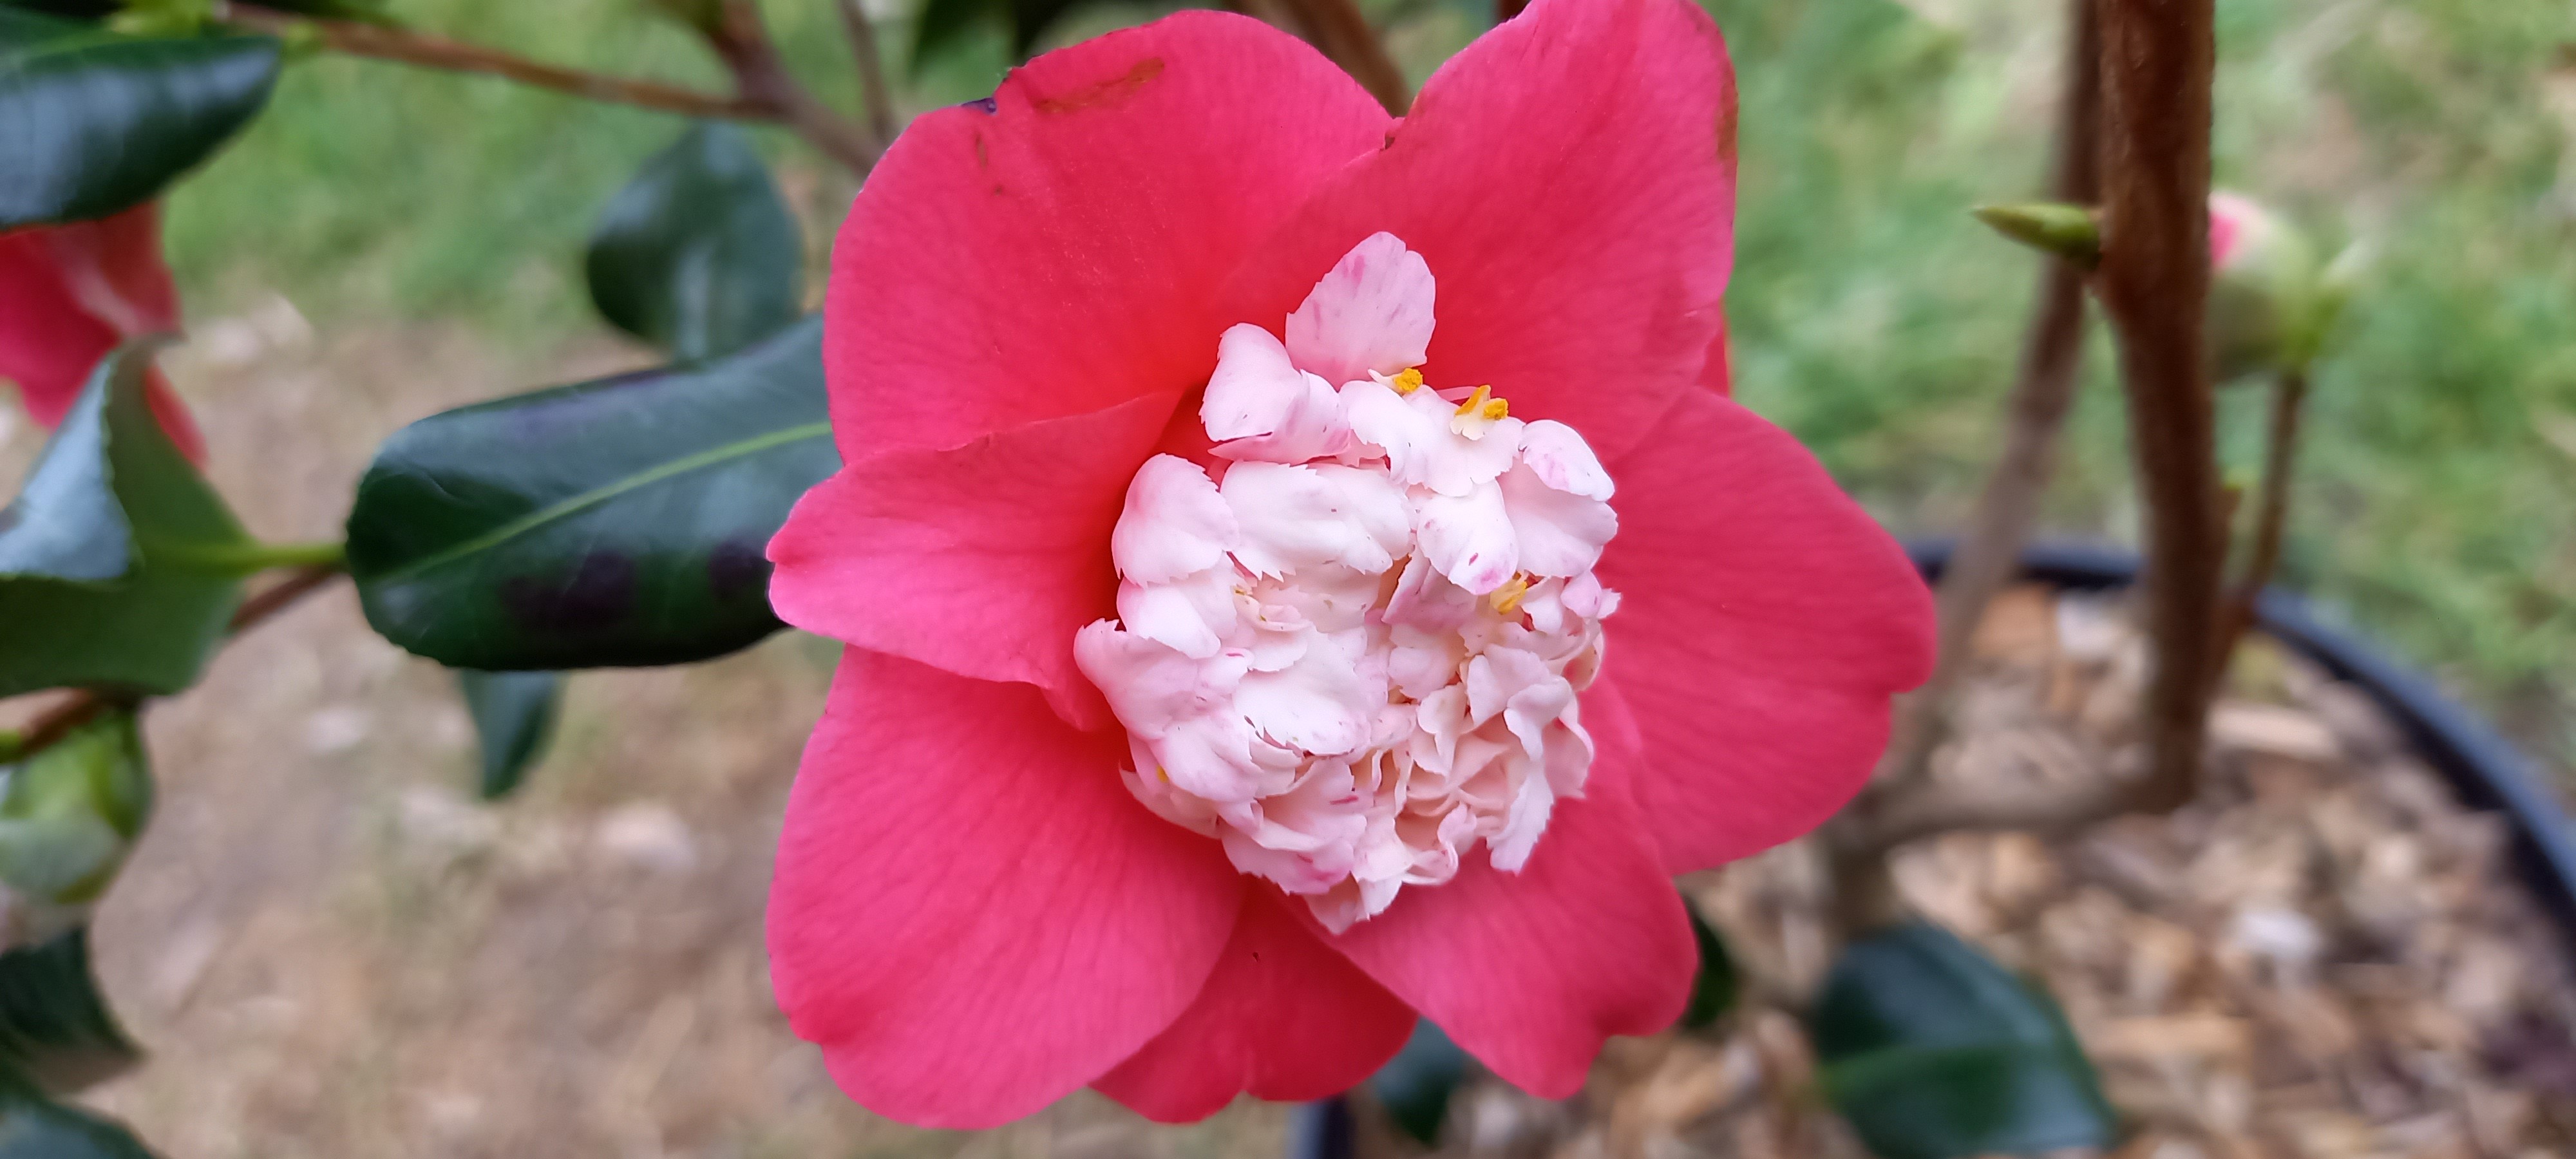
x=767, y=92
x=2289, y=396
x=743, y=43
x=384, y=42
x=2052, y=352
x=874, y=92
x=1343, y=33
x=86, y=704
x=2154, y=284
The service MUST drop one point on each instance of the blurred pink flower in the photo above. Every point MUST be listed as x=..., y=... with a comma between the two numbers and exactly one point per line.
x=1301, y=570
x=71, y=293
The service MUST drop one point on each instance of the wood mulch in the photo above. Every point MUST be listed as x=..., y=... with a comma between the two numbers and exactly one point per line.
x=2325, y=957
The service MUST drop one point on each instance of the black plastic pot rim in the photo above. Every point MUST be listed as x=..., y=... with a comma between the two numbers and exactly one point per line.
x=2482, y=767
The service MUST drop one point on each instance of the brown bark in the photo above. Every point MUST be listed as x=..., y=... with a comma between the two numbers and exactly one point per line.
x=2154, y=286
x=2272, y=513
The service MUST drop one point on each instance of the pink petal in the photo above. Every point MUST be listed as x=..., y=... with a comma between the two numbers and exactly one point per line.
x=1372, y=314
x=1282, y=1018
x=1766, y=621
x=1059, y=249
x=71, y=293
x=1529, y=972
x=983, y=560
x=1570, y=179
x=971, y=915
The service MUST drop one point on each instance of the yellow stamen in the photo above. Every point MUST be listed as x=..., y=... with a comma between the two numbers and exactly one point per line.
x=1484, y=405
x=1507, y=598
x=1409, y=381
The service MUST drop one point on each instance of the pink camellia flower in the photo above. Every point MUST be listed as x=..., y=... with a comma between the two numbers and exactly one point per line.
x=71, y=293
x=1301, y=570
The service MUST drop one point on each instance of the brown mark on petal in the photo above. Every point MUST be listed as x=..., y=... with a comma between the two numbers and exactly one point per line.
x=1105, y=92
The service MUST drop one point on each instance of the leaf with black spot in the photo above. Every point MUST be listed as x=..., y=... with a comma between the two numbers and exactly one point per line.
x=1933, y=1051
x=698, y=254
x=119, y=566
x=514, y=716
x=616, y=522
x=94, y=121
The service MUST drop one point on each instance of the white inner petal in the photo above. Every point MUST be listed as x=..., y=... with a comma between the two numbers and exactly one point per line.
x=1352, y=654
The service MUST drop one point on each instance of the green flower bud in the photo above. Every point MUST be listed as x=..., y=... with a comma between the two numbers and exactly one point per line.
x=2264, y=293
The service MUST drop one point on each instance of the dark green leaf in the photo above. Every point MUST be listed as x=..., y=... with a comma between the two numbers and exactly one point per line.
x=92, y=122
x=1933, y=1051
x=69, y=813
x=119, y=566
x=33, y=1128
x=615, y=522
x=55, y=1030
x=69, y=9
x=1415, y=1086
x=698, y=254
x=945, y=22
x=1713, y=992
x=514, y=715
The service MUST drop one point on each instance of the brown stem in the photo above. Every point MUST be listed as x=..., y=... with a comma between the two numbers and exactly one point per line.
x=742, y=42
x=2049, y=813
x=2154, y=284
x=1343, y=33
x=383, y=42
x=1506, y=9
x=874, y=92
x=2043, y=390
x=84, y=705
x=2271, y=513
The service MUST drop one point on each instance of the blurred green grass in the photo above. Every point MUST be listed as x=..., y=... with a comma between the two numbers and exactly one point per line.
x=1871, y=315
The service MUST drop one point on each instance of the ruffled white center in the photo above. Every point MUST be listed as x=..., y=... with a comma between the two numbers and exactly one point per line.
x=1352, y=654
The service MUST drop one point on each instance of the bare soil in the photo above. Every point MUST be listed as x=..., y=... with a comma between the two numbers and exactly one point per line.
x=331, y=950
x=2325, y=956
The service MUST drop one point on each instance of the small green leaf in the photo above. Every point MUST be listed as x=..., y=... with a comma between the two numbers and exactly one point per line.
x=56, y=1033
x=617, y=522
x=698, y=254
x=92, y=122
x=1713, y=991
x=2071, y=232
x=69, y=813
x=34, y=1128
x=1415, y=1086
x=1933, y=1051
x=119, y=566
x=514, y=715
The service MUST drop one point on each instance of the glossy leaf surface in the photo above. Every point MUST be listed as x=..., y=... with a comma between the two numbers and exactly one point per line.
x=119, y=566
x=92, y=121
x=33, y=1128
x=1934, y=1051
x=56, y=1034
x=514, y=716
x=698, y=254
x=1713, y=991
x=1416, y=1085
x=617, y=522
